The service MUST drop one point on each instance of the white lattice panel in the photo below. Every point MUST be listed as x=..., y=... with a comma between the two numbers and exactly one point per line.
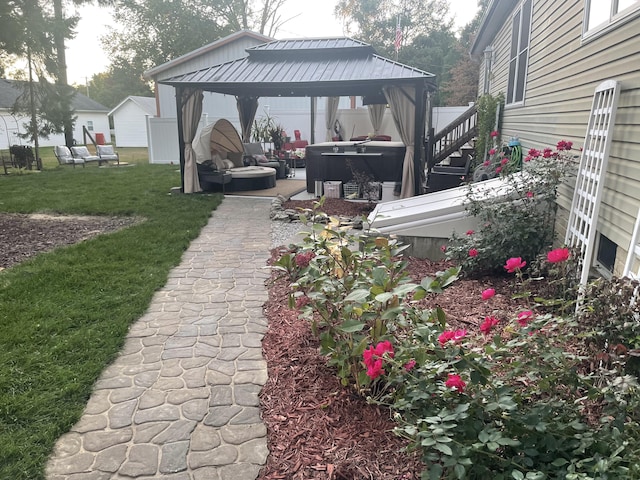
x=583, y=218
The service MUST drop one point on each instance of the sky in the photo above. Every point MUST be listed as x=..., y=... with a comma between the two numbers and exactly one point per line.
x=85, y=56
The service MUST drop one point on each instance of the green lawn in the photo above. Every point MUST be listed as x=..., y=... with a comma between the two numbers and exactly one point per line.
x=64, y=314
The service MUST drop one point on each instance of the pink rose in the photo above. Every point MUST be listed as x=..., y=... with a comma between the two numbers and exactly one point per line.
x=409, y=365
x=470, y=232
x=455, y=381
x=373, y=357
x=529, y=194
x=488, y=293
x=525, y=317
x=494, y=134
x=451, y=335
x=488, y=324
x=504, y=161
x=558, y=255
x=564, y=145
x=473, y=252
x=514, y=263
x=498, y=169
x=492, y=151
x=375, y=369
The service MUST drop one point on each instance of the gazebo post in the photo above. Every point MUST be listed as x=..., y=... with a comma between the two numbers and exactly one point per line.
x=418, y=149
x=314, y=102
x=179, y=107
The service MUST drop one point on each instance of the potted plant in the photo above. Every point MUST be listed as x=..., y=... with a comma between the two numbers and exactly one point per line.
x=368, y=188
x=276, y=134
x=262, y=128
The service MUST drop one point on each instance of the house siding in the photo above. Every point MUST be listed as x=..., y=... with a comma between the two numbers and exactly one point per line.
x=563, y=72
x=212, y=102
x=16, y=124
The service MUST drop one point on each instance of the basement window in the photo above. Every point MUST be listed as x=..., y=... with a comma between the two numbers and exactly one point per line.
x=606, y=255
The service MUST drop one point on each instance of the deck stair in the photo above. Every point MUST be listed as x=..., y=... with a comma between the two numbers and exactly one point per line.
x=451, y=171
x=450, y=152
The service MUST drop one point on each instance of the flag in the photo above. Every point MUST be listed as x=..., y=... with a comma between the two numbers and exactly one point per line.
x=398, y=40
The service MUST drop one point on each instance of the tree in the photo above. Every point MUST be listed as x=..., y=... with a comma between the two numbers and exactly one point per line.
x=153, y=33
x=111, y=87
x=263, y=17
x=435, y=52
x=462, y=85
x=32, y=24
x=375, y=21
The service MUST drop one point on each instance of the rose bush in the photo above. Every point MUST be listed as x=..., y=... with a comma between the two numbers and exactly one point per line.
x=520, y=398
x=520, y=221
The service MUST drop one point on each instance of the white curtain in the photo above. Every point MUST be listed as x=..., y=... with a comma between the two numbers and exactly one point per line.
x=400, y=101
x=376, y=114
x=191, y=111
x=331, y=115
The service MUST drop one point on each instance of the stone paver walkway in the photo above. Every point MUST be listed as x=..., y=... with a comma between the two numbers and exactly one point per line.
x=181, y=401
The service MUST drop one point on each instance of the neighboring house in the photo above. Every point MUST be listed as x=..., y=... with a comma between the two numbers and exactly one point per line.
x=130, y=120
x=292, y=113
x=89, y=113
x=547, y=57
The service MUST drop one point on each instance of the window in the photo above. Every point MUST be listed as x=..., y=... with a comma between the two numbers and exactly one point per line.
x=520, y=37
x=90, y=125
x=601, y=13
x=606, y=255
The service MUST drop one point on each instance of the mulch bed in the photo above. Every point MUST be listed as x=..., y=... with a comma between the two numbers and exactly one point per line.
x=317, y=429
x=24, y=236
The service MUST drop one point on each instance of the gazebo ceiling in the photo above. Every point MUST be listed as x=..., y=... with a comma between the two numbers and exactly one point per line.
x=306, y=68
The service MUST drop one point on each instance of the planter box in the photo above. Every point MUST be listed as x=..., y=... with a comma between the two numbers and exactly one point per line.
x=373, y=192
x=332, y=189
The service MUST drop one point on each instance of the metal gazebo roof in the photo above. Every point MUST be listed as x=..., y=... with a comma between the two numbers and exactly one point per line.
x=310, y=67
x=307, y=68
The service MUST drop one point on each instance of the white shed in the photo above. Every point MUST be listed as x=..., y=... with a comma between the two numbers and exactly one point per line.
x=130, y=120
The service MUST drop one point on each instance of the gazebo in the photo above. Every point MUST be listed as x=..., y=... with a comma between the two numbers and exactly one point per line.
x=321, y=67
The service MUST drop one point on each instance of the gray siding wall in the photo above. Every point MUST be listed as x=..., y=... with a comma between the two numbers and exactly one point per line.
x=226, y=53
x=563, y=72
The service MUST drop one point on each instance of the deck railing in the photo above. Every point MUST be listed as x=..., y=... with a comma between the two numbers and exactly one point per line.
x=451, y=138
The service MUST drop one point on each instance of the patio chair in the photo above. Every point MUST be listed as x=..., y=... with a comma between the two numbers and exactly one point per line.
x=82, y=153
x=107, y=153
x=63, y=154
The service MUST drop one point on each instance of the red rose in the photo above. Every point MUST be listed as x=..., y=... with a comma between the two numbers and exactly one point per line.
x=558, y=255
x=409, y=365
x=525, y=317
x=488, y=293
x=454, y=381
x=514, y=263
x=488, y=324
